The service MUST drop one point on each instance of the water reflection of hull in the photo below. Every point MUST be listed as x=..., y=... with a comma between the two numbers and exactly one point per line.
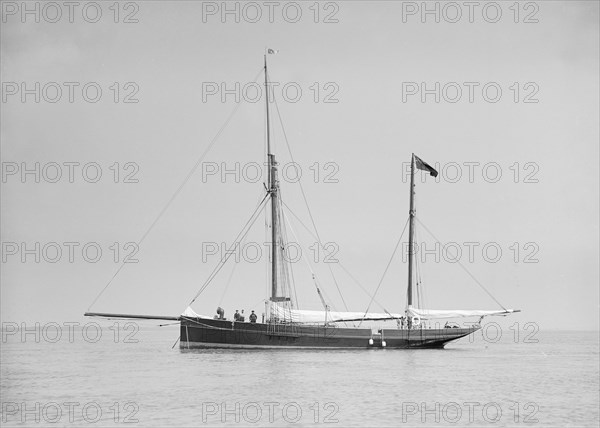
x=214, y=333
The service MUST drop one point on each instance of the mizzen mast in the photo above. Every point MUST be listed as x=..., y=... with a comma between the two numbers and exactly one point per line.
x=410, y=230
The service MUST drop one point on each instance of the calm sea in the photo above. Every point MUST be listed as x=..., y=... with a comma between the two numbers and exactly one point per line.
x=548, y=379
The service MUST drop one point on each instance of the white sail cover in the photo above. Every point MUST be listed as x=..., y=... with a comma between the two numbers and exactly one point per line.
x=455, y=313
x=308, y=316
x=190, y=313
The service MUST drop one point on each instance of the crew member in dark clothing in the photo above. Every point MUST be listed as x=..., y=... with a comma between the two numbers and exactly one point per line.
x=253, y=317
x=236, y=316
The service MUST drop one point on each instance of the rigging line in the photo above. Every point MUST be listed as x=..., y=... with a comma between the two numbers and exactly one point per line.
x=232, y=272
x=338, y=263
x=306, y=259
x=314, y=276
x=290, y=269
x=309, y=266
x=281, y=257
x=360, y=285
x=337, y=286
x=240, y=236
x=463, y=267
x=415, y=260
x=306, y=199
x=416, y=265
x=228, y=282
x=386, y=268
x=174, y=196
x=422, y=289
x=168, y=324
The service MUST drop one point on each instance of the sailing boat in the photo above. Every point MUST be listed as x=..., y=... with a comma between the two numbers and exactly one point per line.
x=285, y=326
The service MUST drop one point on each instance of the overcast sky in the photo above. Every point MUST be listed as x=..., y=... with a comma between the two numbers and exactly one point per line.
x=352, y=130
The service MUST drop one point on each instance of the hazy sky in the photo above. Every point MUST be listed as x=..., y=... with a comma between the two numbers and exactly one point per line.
x=542, y=212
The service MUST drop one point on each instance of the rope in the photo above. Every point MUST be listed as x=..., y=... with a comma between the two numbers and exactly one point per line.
x=338, y=263
x=291, y=270
x=230, y=277
x=423, y=290
x=361, y=286
x=309, y=268
x=418, y=281
x=227, y=283
x=240, y=235
x=170, y=201
x=168, y=324
x=289, y=283
x=386, y=269
x=306, y=259
x=306, y=201
x=464, y=268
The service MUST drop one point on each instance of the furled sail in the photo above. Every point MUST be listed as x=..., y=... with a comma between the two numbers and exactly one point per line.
x=437, y=314
x=190, y=313
x=308, y=316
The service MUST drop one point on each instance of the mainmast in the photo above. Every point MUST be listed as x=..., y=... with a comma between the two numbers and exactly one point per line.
x=410, y=228
x=272, y=189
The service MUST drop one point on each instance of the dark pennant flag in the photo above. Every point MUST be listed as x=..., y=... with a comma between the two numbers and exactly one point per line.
x=420, y=164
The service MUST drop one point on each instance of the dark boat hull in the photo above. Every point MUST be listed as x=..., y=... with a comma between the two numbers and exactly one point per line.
x=210, y=333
